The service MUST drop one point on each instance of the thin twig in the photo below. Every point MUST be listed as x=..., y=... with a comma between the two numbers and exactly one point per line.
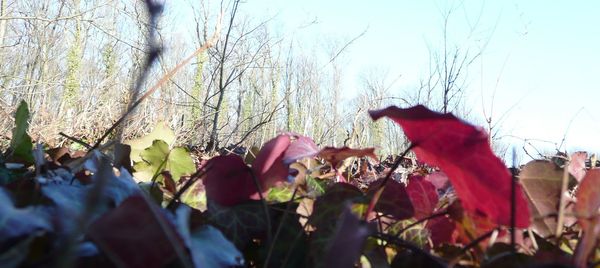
x=76, y=140
x=513, y=202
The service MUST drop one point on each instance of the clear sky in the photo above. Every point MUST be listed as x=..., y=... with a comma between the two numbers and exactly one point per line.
x=542, y=59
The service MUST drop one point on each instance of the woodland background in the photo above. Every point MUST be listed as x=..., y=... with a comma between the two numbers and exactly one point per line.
x=75, y=63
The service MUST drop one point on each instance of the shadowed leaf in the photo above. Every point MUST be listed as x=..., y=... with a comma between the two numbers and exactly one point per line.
x=347, y=243
x=423, y=196
x=394, y=200
x=228, y=181
x=268, y=165
x=133, y=235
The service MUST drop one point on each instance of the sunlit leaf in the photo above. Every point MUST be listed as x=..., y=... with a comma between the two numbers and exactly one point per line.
x=542, y=182
x=588, y=214
x=161, y=132
x=577, y=165
x=159, y=157
x=21, y=145
x=463, y=152
x=337, y=155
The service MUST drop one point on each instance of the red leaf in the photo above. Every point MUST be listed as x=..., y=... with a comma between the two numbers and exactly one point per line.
x=300, y=147
x=337, y=155
x=462, y=151
x=577, y=165
x=228, y=180
x=442, y=230
x=269, y=166
x=132, y=235
x=423, y=196
x=439, y=180
x=394, y=200
x=588, y=196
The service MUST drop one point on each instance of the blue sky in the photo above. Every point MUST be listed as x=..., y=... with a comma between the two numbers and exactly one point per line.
x=542, y=58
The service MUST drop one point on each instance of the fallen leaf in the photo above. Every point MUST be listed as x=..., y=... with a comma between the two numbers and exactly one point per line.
x=542, y=182
x=336, y=155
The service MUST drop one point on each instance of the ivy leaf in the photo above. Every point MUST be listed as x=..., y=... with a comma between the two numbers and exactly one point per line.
x=423, y=196
x=587, y=211
x=158, y=158
x=228, y=181
x=542, y=181
x=21, y=146
x=241, y=223
x=462, y=151
x=327, y=210
x=160, y=132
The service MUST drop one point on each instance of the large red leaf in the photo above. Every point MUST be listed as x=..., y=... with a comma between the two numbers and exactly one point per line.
x=462, y=151
x=228, y=180
x=587, y=211
x=423, y=196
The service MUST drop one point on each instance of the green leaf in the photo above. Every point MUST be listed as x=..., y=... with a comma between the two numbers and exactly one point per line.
x=158, y=158
x=21, y=146
x=281, y=193
x=160, y=132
